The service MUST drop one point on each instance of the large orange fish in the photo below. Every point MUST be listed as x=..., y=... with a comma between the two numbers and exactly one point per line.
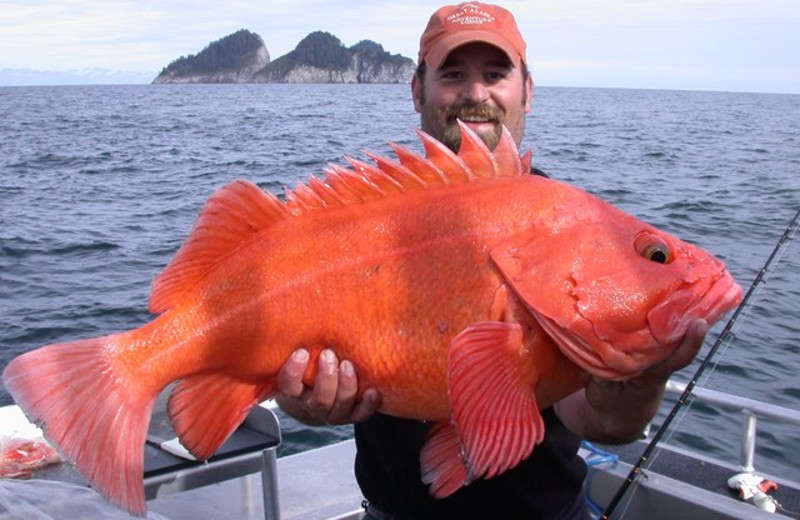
x=465, y=290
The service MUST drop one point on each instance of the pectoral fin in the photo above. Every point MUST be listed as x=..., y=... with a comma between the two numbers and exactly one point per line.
x=495, y=417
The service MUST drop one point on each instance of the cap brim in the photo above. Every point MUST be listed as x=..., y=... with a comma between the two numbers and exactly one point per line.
x=447, y=44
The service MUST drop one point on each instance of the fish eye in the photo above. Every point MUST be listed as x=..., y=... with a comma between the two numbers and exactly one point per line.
x=657, y=253
x=653, y=248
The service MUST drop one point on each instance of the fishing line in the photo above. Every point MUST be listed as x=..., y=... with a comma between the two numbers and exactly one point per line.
x=636, y=471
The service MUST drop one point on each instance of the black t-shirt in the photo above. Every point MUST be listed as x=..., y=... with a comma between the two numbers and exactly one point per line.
x=546, y=485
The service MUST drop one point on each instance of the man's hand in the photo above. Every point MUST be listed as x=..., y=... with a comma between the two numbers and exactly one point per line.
x=334, y=397
x=618, y=411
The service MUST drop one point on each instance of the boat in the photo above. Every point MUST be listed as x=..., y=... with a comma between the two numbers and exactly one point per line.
x=246, y=481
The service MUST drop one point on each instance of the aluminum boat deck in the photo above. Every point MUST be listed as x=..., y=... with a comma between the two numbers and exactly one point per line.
x=320, y=484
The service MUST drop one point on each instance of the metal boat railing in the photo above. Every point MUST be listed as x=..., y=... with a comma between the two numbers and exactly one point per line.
x=751, y=410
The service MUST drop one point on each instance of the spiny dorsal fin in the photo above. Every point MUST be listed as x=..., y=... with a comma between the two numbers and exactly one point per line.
x=423, y=168
x=239, y=211
x=382, y=181
x=474, y=152
x=448, y=162
x=506, y=157
x=527, y=160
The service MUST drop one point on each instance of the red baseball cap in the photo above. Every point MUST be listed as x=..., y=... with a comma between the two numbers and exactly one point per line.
x=454, y=25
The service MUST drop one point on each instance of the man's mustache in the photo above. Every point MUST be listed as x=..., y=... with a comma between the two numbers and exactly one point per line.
x=468, y=112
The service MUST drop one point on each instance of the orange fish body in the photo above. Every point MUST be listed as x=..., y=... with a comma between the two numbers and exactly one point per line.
x=466, y=291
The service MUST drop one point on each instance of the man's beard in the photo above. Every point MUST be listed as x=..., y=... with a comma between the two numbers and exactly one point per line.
x=450, y=133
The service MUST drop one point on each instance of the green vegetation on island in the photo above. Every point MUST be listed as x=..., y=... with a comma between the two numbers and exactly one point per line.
x=225, y=54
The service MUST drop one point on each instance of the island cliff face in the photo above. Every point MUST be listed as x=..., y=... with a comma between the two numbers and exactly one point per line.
x=320, y=57
x=232, y=59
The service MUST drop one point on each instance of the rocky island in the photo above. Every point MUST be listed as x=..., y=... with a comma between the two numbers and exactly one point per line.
x=242, y=57
x=233, y=59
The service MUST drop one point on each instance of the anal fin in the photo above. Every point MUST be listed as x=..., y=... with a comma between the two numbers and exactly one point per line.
x=206, y=409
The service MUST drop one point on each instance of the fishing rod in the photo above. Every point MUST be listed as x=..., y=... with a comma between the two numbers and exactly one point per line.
x=636, y=471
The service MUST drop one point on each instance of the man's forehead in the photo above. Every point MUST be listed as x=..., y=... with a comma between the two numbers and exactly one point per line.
x=481, y=52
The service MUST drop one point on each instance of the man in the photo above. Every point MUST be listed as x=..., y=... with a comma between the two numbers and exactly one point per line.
x=472, y=66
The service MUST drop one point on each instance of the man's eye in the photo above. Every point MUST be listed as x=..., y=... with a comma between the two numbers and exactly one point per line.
x=452, y=75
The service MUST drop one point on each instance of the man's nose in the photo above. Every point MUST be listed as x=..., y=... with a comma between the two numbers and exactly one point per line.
x=475, y=91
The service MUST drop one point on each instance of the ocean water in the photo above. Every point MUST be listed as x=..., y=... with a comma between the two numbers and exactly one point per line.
x=100, y=185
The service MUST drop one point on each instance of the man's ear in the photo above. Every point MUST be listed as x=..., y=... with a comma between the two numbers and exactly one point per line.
x=416, y=92
x=529, y=93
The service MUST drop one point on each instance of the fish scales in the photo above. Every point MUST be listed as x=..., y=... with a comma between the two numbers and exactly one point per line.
x=380, y=297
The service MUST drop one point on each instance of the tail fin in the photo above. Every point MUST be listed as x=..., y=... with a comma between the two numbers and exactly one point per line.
x=91, y=410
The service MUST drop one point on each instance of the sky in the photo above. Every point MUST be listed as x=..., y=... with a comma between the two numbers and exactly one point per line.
x=726, y=45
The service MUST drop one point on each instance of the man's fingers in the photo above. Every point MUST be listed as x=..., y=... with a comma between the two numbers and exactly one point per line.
x=345, y=396
x=326, y=385
x=333, y=398
x=368, y=405
x=290, y=377
x=685, y=353
x=690, y=346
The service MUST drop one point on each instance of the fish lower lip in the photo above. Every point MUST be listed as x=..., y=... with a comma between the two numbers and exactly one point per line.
x=669, y=321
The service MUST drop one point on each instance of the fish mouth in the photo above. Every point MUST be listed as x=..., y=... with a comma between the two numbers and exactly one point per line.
x=667, y=324
x=669, y=321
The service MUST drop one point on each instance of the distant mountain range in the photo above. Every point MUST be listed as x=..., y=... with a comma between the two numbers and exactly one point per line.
x=94, y=76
